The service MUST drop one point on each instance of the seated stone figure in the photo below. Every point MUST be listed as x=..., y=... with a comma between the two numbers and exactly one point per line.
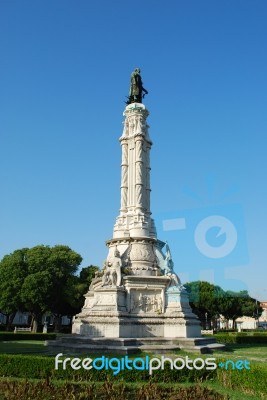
x=112, y=271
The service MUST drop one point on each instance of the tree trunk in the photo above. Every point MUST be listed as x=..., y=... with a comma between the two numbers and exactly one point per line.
x=9, y=320
x=234, y=323
x=57, y=322
x=6, y=321
x=34, y=323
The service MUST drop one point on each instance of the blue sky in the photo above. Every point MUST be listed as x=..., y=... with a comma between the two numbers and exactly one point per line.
x=65, y=70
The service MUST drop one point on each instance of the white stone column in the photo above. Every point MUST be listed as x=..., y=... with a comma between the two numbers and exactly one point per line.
x=134, y=219
x=139, y=176
x=148, y=190
x=124, y=176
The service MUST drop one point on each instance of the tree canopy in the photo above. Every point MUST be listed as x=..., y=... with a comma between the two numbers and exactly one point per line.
x=208, y=301
x=38, y=280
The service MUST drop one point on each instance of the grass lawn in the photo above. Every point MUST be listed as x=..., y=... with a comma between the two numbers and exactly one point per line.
x=23, y=347
x=253, y=352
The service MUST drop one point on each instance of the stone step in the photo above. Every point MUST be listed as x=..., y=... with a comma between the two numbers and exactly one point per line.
x=204, y=349
x=158, y=349
x=80, y=344
x=196, y=341
x=122, y=350
x=93, y=349
x=118, y=341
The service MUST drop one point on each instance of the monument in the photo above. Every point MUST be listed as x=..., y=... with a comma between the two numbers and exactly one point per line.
x=137, y=294
x=137, y=298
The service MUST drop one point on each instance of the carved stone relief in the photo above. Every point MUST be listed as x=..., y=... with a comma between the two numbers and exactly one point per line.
x=142, y=252
x=146, y=302
x=104, y=299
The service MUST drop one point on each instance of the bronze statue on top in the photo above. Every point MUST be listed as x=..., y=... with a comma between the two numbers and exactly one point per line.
x=137, y=91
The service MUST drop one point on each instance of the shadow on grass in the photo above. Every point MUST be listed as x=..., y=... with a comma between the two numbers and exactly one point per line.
x=22, y=347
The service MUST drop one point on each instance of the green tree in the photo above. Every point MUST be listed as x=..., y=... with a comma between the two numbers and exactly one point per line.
x=209, y=301
x=35, y=295
x=42, y=281
x=54, y=266
x=12, y=274
x=206, y=301
x=82, y=284
x=239, y=304
x=86, y=275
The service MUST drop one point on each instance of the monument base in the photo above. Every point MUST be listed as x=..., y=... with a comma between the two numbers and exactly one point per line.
x=145, y=313
x=142, y=307
x=124, y=326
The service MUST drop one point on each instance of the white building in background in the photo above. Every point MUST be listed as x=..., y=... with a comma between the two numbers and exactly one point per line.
x=21, y=318
x=24, y=319
x=247, y=322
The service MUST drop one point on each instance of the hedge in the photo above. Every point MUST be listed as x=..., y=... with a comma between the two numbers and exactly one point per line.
x=244, y=338
x=8, y=336
x=39, y=367
x=27, y=367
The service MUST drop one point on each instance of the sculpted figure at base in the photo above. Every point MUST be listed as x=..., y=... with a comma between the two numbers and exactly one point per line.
x=96, y=281
x=168, y=270
x=112, y=271
x=136, y=88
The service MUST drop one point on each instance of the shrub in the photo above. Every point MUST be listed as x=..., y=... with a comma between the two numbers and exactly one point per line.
x=40, y=367
x=242, y=337
x=28, y=367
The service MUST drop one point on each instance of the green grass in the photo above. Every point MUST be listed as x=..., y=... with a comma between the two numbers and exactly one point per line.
x=23, y=347
x=253, y=352
x=232, y=393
